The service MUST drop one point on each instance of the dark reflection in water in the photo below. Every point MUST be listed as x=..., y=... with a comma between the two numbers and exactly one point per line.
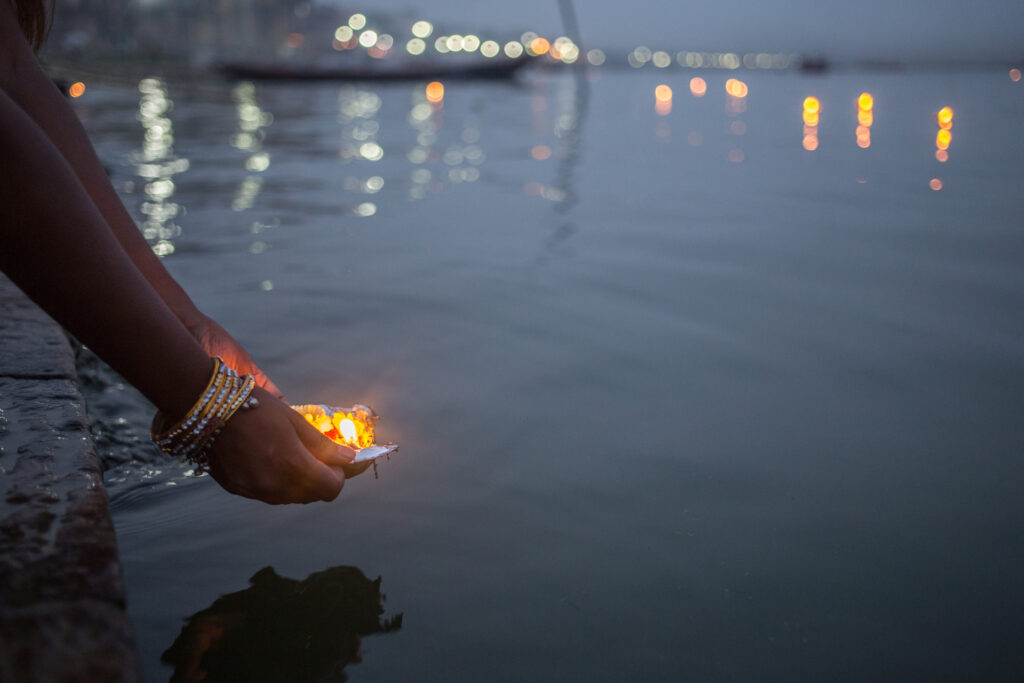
x=281, y=629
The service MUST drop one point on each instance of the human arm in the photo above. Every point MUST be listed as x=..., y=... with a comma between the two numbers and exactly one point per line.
x=31, y=90
x=57, y=247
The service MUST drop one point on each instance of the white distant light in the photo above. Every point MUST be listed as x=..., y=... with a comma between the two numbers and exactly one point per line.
x=454, y=43
x=368, y=38
x=343, y=34
x=357, y=21
x=441, y=44
x=470, y=43
x=415, y=46
x=489, y=48
x=513, y=49
x=596, y=57
x=528, y=37
x=661, y=59
x=422, y=29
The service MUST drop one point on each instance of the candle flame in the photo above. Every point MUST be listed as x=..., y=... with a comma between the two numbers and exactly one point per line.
x=348, y=430
x=349, y=426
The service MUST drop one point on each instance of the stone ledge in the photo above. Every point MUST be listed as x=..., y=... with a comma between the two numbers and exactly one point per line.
x=61, y=596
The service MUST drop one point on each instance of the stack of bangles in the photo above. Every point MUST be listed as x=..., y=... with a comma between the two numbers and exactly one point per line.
x=224, y=395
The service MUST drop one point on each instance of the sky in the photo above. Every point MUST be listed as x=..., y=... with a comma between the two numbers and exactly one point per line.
x=884, y=29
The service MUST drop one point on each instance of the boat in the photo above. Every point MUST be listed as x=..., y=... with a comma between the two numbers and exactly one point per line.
x=457, y=69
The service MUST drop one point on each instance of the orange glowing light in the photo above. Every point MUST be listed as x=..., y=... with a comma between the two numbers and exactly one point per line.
x=811, y=105
x=945, y=117
x=865, y=118
x=811, y=118
x=943, y=138
x=866, y=102
x=663, y=93
x=942, y=155
x=1015, y=75
x=935, y=184
x=810, y=142
x=353, y=427
x=435, y=91
x=539, y=46
x=295, y=40
x=541, y=152
x=736, y=156
x=736, y=88
x=77, y=89
x=663, y=108
x=698, y=86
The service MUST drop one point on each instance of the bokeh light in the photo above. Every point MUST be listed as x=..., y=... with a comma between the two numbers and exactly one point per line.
x=434, y=91
x=698, y=86
x=77, y=89
x=865, y=117
x=935, y=184
x=663, y=93
x=368, y=38
x=416, y=46
x=422, y=29
x=489, y=48
x=357, y=21
x=513, y=49
x=661, y=59
x=596, y=57
x=540, y=152
x=736, y=88
x=539, y=46
x=1015, y=75
x=811, y=114
x=945, y=118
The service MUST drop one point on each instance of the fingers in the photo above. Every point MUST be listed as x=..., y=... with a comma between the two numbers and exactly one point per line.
x=322, y=448
x=324, y=482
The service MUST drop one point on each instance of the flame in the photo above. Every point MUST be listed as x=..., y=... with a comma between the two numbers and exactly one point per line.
x=348, y=430
x=353, y=427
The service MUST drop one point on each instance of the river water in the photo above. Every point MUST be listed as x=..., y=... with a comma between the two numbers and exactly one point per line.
x=677, y=398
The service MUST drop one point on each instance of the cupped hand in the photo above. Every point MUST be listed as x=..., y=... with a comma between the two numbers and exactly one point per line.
x=272, y=454
x=218, y=342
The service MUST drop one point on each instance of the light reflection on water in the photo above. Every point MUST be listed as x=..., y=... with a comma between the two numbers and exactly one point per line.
x=674, y=393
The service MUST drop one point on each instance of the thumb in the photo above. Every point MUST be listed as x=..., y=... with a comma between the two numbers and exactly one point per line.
x=322, y=448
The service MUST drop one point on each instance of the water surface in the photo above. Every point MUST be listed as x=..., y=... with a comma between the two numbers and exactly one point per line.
x=677, y=398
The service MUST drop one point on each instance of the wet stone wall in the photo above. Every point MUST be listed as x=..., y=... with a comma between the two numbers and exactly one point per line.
x=61, y=597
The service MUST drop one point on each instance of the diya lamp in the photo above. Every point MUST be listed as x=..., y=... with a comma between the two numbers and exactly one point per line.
x=352, y=427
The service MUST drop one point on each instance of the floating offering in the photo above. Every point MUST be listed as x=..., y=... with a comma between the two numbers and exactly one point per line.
x=348, y=426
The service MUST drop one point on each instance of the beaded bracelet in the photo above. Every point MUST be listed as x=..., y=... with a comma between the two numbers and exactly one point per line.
x=225, y=394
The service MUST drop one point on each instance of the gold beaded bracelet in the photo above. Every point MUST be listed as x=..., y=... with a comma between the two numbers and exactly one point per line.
x=225, y=394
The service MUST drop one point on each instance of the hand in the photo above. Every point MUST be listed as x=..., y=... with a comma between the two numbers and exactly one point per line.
x=272, y=454
x=217, y=342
